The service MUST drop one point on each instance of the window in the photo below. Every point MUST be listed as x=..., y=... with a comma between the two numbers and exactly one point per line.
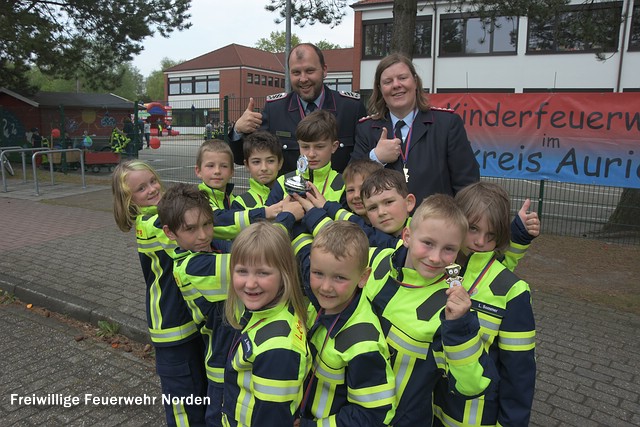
x=270, y=81
x=376, y=36
x=339, y=84
x=264, y=80
x=256, y=79
x=191, y=85
x=580, y=28
x=469, y=35
x=250, y=78
x=276, y=82
x=634, y=36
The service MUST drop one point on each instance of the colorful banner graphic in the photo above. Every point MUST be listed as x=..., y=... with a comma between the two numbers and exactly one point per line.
x=584, y=138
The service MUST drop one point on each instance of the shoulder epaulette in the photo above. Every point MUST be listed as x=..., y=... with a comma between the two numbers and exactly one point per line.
x=353, y=95
x=276, y=96
x=447, y=110
x=364, y=119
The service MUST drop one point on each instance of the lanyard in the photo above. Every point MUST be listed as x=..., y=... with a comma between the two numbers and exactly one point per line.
x=326, y=180
x=315, y=365
x=405, y=155
x=482, y=273
x=410, y=286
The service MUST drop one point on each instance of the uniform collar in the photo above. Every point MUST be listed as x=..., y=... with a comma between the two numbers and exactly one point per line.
x=327, y=320
x=216, y=196
x=408, y=275
x=250, y=318
x=260, y=189
x=319, y=175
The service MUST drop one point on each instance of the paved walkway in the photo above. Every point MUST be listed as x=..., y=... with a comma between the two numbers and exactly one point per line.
x=62, y=250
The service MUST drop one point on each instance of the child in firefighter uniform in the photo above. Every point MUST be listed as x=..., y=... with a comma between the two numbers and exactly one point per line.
x=503, y=304
x=351, y=381
x=269, y=357
x=179, y=349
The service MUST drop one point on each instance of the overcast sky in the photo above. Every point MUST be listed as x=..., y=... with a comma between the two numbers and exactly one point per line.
x=218, y=23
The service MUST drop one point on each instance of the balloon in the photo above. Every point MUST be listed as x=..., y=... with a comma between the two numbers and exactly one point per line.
x=154, y=143
x=55, y=133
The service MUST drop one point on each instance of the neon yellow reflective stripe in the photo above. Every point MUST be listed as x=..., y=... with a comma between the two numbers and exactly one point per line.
x=402, y=369
x=517, y=341
x=242, y=219
x=179, y=414
x=243, y=411
x=275, y=390
x=155, y=292
x=488, y=322
x=299, y=242
x=173, y=334
x=372, y=397
x=215, y=374
x=343, y=215
x=321, y=406
x=517, y=248
x=440, y=359
x=338, y=377
x=464, y=353
x=412, y=347
x=323, y=223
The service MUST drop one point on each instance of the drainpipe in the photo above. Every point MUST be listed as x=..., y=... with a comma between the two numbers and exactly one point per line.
x=434, y=43
x=623, y=42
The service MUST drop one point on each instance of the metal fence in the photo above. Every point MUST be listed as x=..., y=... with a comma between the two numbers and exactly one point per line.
x=567, y=209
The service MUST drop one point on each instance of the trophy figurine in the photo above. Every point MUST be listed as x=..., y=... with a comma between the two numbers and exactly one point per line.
x=452, y=271
x=297, y=183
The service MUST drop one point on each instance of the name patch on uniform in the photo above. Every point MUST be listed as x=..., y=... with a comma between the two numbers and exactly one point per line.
x=488, y=308
x=283, y=133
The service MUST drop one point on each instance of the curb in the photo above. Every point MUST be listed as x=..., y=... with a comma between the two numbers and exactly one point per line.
x=76, y=308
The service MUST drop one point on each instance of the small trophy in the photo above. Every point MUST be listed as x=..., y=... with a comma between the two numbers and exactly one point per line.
x=452, y=271
x=297, y=184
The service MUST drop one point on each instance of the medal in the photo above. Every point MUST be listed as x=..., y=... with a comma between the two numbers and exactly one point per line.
x=406, y=173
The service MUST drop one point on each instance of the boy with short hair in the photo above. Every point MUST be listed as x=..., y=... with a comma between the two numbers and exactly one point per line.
x=202, y=276
x=351, y=381
x=356, y=172
x=428, y=326
x=388, y=203
x=214, y=166
x=317, y=136
x=263, y=159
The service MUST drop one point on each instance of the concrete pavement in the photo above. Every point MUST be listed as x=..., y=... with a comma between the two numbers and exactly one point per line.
x=62, y=250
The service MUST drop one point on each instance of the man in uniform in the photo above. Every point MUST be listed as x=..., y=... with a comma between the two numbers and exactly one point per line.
x=283, y=111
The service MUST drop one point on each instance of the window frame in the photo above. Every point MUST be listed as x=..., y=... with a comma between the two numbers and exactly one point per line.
x=387, y=25
x=569, y=10
x=466, y=17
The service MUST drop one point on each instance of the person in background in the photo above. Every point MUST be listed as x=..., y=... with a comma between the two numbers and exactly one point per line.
x=147, y=132
x=428, y=145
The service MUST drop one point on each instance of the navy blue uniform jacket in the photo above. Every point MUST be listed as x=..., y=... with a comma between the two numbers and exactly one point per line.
x=281, y=115
x=440, y=156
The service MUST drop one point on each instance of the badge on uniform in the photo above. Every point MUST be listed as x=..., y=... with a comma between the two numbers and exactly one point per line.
x=246, y=347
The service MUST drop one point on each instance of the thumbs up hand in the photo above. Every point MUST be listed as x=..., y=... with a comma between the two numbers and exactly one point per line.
x=387, y=150
x=250, y=120
x=530, y=220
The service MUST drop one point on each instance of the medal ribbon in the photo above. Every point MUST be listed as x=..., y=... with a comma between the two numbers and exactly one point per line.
x=482, y=273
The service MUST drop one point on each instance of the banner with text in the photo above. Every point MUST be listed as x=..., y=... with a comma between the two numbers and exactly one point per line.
x=585, y=138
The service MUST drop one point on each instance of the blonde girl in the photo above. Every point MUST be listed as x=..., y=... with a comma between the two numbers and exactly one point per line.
x=269, y=357
x=179, y=349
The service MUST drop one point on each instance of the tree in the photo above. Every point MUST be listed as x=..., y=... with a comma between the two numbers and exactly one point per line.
x=325, y=45
x=154, y=84
x=80, y=38
x=276, y=42
x=310, y=12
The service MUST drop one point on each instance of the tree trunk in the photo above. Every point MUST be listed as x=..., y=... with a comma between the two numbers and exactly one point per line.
x=404, y=26
x=626, y=217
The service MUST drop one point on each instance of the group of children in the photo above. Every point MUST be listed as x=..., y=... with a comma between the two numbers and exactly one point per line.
x=330, y=308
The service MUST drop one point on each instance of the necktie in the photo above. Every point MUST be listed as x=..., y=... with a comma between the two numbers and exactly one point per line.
x=397, y=131
x=311, y=107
